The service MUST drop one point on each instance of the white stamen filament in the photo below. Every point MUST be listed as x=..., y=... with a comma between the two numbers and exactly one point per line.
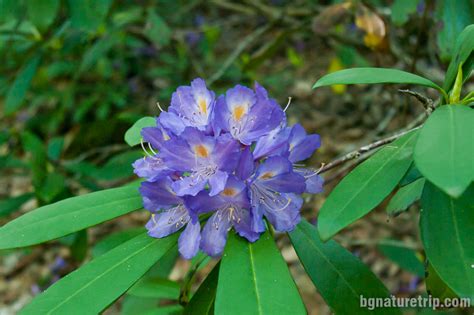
x=288, y=104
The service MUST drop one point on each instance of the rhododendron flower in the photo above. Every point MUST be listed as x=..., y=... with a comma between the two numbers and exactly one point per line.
x=229, y=163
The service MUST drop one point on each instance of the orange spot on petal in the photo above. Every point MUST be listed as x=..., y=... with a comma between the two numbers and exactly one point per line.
x=203, y=106
x=229, y=192
x=239, y=112
x=201, y=151
x=266, y=175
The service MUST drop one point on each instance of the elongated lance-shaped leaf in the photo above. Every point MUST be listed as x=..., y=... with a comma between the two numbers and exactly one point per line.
x=447, y=226
x=463, y=54
x=405, y=197
x=254, y=279
x=95, y=285
x=202, y=302
x=68, y=216
x=454, y=17
x=444, y=150
x=366, y=186
x=340, y=277
x=402, y=255
x=375, y=76
x=20, y=86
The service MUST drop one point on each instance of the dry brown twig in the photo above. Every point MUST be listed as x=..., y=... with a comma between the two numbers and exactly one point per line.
x=359, y=152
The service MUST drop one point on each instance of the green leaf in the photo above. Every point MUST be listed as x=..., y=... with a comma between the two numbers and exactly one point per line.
x=455, y=16
x=88, y=14
x=446, y=226
x=42, y=12
x=202, y=302
x=53, y=185
x=156, y=288
x=373, y=76
x=16, y=94
x=13, y=204
x=340, y=277
x=401, y=9
x=114, y=240
x=463, y=53
x=55, y=147
x=437, y=287
x=445, y=147
x=95, y=285
x=403, y=256
x=133, y=136
x=100, y=48
x=156, y=29
x=366, y=186
x=405, y=197
x=411, y=175
x=68, y=216
x=10, y=9
x=254, y=279
x=37, y=159
x=80, y=245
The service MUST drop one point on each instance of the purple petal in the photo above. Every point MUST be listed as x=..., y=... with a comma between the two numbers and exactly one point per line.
x=194, y=104
x=302, y=146
x=167, y=222
x=172, y=123
x=189, y=240
x=243, y=225
x=158, y=195
x=154, y=136
x=283, y=212
x=217, y=182
x=275, y=143
x=190, y=185
x=246, y=164
x=226, y=153
x=276, y=174
x=214, y=234
x=151, y=168
x=314, y=182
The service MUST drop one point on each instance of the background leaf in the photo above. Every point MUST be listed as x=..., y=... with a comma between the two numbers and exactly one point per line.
x=340, y=277
x=405, y=197
x=67, y=216
x=202, y=302
x=42, y=12
x=13, y=204
x=20, y=86
x=366, y=186
x=446, y=226
x=373, y=76
x=254, y=279
x=401, y=9
x=403, y=256
x=156, y=29
x=444, y=150
x=88, y=14
x=102, y=280
x=463, y=53
x=455, y=16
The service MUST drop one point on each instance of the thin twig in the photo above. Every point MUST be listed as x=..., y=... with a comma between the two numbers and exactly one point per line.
x=427, y=103
x=357, y=153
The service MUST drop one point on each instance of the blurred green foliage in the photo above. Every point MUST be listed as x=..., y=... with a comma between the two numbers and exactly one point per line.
x=75, y=75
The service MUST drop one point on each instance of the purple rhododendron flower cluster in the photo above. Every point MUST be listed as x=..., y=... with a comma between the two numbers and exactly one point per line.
x=230, y=160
